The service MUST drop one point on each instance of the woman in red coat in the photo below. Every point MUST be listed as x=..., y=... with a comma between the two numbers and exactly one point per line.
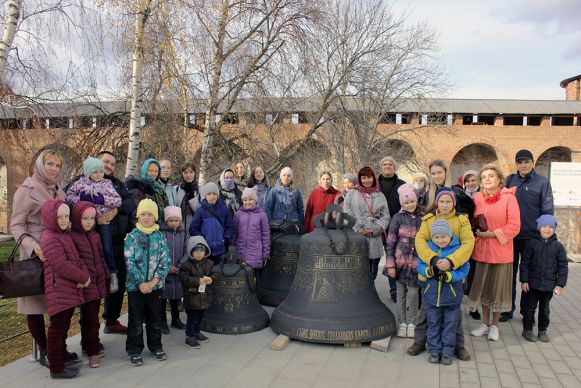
x=320, y=198
x=88, y=244
x=65, y=276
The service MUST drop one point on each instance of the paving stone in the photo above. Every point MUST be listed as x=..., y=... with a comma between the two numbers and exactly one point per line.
x=569, y=380
x=490, y=382
x=509, y=380
x=487, y=370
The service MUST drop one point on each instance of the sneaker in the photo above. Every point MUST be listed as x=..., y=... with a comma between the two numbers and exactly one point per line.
x=116, y=328
x=164, y=328
x=42, y=358
x=416, y=349
x=462, y=354
x=101, y=351
x=94, y=361
x=192, y=342
x=135, y=359
x=160, y=355
x=446, y=360
x=543, y=337
x=505, y=317
x=529, y=336
x=178, y=324
x=480, y=331
x=494, y=333
x=411, y=330
x=402, y=331
x=202, y=338
x=114, y=284
x=475, y=315
x=434, y=358
x=66, y=373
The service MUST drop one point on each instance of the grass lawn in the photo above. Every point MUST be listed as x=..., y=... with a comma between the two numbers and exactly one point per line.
x=5, y=250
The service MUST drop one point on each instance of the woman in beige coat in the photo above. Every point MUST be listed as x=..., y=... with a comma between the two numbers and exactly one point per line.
x=32, y=193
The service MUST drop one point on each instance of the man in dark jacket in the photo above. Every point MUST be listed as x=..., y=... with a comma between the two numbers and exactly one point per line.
x=388, y=185
x=535, y=198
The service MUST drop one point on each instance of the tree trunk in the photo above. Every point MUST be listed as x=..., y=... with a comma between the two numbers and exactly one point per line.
x=137, y=92
x=10, y=22
x=212, y=109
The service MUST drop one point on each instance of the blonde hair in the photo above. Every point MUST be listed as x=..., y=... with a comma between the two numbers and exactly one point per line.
x=48, y=153
x=496, y=169
x=433, y=187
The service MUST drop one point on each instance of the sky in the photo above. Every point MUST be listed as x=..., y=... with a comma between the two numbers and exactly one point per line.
x=501, y=49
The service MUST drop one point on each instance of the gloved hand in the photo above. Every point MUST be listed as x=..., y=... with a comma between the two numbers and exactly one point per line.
x=445, y=277
x=99, y=199
x=86, y=197
x=432, y=272
x=265, y=260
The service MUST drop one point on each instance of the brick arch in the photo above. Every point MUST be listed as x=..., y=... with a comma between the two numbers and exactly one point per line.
x=552, y=154
x=399, y=149
x=314, y=158
x=472, y=157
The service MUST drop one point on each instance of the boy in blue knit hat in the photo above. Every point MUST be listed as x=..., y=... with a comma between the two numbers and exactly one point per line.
x=442, y=294
x=543, y=272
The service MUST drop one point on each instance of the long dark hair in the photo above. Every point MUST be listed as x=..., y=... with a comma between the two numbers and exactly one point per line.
x=251, y=182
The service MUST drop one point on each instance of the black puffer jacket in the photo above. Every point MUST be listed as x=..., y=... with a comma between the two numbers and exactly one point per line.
x=544, y=264
x=190, y=273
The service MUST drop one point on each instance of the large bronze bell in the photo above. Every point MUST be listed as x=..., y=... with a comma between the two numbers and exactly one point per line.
x=275, y=279
x=236, y=309
x=332, y=299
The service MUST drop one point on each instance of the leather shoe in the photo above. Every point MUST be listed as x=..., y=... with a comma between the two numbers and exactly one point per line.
x=505, y=317
x=416, y=349
x=462, y=354
x=67, y=373
x=475, y=315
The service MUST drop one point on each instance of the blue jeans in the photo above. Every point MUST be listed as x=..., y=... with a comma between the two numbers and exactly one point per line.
x=442, y=326
x=373, y=268
x=194, y=321
x=106, y=233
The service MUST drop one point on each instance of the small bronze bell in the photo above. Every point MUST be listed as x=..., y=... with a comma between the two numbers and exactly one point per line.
x=332, y=299
x=236, y=309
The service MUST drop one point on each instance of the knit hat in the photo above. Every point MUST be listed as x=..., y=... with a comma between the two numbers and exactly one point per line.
x=445, y=191
x=422, y=176
x=406, y=192
x=546, y=219
x=467, y=174
x=287, y=170
x=90, y=211
x=90, y=165
x=350, y=177
x=172, y=212
x=441, y=226
x=197, y=240
x=250, y=193
x=147, y=206
x=209, y=187
x=390, y=159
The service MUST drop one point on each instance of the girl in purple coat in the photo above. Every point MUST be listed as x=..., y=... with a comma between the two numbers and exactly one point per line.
x=401, y=263
x=65, y=276
x=252, y=231
x=88, y=244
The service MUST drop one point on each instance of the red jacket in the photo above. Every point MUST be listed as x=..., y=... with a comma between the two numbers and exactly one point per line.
x=317, y=203
x=502, y=218
x=63, y=269
x=90, y=251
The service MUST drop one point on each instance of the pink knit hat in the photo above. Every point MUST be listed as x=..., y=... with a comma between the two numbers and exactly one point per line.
x=287, y=170
x=406, y=192
x=171, y=212
x=250, y=193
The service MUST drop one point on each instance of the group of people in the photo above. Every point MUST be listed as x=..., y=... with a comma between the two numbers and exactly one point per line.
x=160, y=241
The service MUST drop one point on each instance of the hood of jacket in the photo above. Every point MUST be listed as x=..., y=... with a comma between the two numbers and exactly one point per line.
x=48, y=214
x=165, y=228
x=454, y=244
x=77, y=215
x=195, y=240
x=134, y=182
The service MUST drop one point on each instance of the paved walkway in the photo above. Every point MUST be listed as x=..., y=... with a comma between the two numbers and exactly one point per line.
x=247, y=361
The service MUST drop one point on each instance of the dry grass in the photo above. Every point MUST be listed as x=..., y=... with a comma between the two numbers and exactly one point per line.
x=12, y=323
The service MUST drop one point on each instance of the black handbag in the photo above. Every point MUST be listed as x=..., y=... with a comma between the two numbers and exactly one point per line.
x=21, y=278
x=479, y=223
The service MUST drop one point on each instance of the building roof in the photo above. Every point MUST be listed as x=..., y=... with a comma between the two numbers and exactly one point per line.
x=309, y=104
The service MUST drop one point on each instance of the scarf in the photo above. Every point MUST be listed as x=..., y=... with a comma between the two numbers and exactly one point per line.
x=191, y=189
x=472, y=193
x=368, y=171
x=285, y=193
x=261, y=192
x=147, y=230
x=491, y=198
x=156, y=185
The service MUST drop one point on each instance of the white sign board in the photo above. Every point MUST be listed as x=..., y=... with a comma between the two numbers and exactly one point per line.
x=566, y=183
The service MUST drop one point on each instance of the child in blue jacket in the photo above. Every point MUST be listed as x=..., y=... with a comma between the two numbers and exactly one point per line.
x=442, y=294
x=213, y=221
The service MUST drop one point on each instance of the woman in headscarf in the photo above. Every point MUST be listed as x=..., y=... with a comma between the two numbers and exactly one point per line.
x=147, y=185
x=229, y=192
x=284, y=204
x=42, y=186
x=369, y=207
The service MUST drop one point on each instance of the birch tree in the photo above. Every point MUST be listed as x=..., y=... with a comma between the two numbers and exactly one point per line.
x=10, y=21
